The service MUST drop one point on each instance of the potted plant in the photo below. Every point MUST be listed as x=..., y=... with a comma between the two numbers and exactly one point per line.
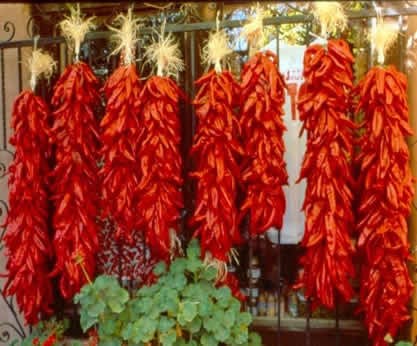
x=183, y=307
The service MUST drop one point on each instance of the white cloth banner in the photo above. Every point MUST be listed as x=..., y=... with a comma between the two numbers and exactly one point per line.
x=291, y=66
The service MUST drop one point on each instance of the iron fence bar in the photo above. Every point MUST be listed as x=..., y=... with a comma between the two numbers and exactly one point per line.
x=193, y=78
x=308, y=328
x=90, y=56
x=204, y=26
x=3, y=99
x=19, y=67
x=277, y=33
x=337, y=320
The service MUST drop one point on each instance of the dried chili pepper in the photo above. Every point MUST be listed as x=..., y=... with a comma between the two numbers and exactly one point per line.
x=120, y=137
x=75, y=182
x=264, y=170
x=27, y=241
x=215, y=151
x=386, y=186
x=324, y=106
x=159, y=192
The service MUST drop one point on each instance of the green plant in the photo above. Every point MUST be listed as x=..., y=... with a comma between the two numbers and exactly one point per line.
x=45, y=333
x=183, y=307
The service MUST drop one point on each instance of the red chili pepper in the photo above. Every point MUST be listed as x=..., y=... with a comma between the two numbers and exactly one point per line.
x=215, y=150
x=158, y=190
x=264, y=170
x=50, y=341
x=75, y=182
x=27, y=239
x=120, y=137
x=323, y=104
x=386, y=191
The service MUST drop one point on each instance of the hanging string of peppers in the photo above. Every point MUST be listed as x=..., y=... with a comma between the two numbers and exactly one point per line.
x=27, y=240
x=75, y=176
x=324, y=105
x=386, y=186
x=121, y=133
x=159, y=189
x=215, y=150
x=261, y=102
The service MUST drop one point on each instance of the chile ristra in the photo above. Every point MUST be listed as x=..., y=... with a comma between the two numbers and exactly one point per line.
x=75, y=182
x=386, y=192
x=264, y=170
x=27, y=241
x=324, y=106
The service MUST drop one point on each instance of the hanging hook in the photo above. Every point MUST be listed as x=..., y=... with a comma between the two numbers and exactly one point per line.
x=378, y=11
x=35, y=41
x=163, y=25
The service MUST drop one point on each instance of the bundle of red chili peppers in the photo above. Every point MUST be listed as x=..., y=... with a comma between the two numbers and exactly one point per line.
x=75, y=176
x=215, y=150
x=386, y=186
x=27, y=237
x=264, y=170
x=120, y=138
x=159, y=190
x=323, y=105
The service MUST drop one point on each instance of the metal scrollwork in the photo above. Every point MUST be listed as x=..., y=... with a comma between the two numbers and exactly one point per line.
x=7, y=330
x=9, y=27
x=32, y=28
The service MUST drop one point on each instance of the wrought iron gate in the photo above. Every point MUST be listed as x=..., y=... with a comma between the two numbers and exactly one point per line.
x=94, y=51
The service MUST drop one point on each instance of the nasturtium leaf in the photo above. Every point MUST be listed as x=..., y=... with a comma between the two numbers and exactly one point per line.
x=244, y=318
x=208, y=340
x=178, y=266
x=126, y=331
x=168, y=338
x=189, y=310
x=209, y=273
x=110, y=342
x=229, y=318
x=194, y=326
x=255, y=340
x=96, y=309
x=205, y=307
x=193, y=249
x=86, y=321
x=108, y=326
x=115, y=306
x=193, y=265
x=159, y=269
x=179, y=281
x=165, y=324
x=209, y=324
x=222, y=334
x=223, y=295
x=241, y=336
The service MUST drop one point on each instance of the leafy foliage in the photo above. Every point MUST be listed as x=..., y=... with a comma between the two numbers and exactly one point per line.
x=182, y=308
x=46, y=333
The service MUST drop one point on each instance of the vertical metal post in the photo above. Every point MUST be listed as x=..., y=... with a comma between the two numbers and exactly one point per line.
x=308, y=329
x=250, y=266
x=19, y=68
x=279, y=232
x=337, y=327
x=193, y=78
x=66, y=60
x=3, y=99
x=90, y=56
x=279, y=290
